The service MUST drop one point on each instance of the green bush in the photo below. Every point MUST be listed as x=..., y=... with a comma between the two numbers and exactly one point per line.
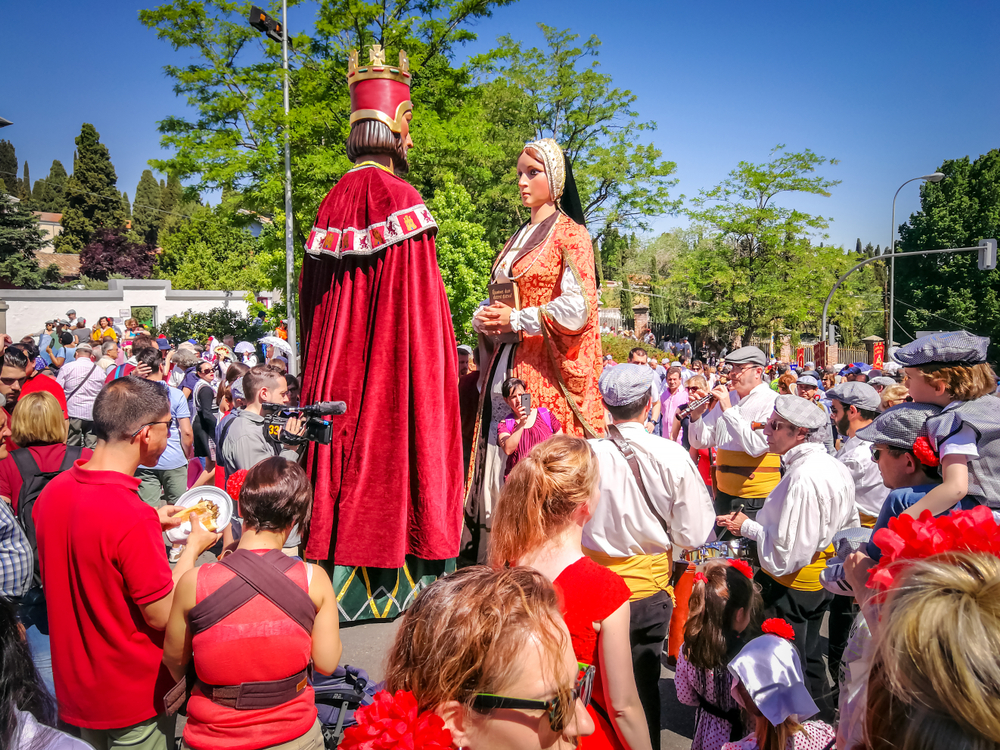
x=218, y=322
x=619, y=348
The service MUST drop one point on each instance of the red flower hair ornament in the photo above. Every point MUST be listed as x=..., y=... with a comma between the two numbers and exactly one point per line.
x=235, y=483
x=925, y=453
x=700, y=577
x=777, y=626
x=394, y=721
x=743, y=566
x=907, y=539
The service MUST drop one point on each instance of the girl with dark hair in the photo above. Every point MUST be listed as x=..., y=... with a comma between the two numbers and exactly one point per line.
x=722, y=604
x=271, y=637
x=26, y=708
x=519, y=433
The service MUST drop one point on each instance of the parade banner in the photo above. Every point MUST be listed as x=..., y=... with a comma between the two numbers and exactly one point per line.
x=819, y=354
x=878, y=355
x=800, y=356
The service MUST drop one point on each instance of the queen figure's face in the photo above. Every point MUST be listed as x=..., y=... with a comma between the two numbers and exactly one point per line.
x=532, y=181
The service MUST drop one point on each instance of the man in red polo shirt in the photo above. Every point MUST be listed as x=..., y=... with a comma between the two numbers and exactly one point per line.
x=104, y=569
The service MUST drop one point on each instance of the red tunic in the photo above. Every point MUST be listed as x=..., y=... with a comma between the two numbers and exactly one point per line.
x=590, y=593
x=377, y=334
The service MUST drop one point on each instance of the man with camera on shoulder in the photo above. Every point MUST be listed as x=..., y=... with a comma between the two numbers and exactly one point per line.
x=246, y=441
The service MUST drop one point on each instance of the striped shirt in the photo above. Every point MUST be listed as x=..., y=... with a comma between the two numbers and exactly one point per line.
x=15, y=555
x=86, y=379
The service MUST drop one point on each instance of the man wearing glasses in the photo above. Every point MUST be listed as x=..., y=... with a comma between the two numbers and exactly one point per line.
x=166, y=481
x=794, y=530
x=746, y=472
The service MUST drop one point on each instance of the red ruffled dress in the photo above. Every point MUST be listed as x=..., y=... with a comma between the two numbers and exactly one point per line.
x=590, y=593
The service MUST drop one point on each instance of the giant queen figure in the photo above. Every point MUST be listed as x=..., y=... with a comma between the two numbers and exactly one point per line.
x=377, y=334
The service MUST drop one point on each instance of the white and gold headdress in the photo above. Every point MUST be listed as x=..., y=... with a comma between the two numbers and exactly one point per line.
x=555, y=165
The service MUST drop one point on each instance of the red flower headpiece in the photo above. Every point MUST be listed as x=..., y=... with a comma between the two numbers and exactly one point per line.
x=907, y=538
x=235, y=483
x=700, y=577
x=392, y=722
x=779, y=627
x=743, y=566
x=924, y=452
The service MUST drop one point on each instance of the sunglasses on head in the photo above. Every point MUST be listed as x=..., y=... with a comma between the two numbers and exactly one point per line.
x=560, y=708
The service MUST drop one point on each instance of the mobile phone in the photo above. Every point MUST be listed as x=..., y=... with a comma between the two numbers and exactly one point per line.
x=526, y=403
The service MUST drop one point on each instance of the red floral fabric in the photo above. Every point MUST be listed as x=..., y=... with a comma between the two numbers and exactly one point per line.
x=907, y=539
x=540, y=361
x=743, y=566
x=393, y=722
x=779, y=627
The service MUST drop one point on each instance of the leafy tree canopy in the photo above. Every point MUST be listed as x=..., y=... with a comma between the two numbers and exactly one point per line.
x=218, y=322
x=49, y=193
x=111, y=252
x=948, y=291
x=213, y=250
x=146, y=216
x=8, y=168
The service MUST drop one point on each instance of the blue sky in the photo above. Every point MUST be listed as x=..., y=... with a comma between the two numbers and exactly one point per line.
x=890, y=88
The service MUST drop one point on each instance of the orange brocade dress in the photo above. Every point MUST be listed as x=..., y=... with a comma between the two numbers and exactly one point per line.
x=560, y=367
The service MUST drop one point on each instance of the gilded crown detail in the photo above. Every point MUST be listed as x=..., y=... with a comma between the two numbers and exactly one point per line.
x=376, y=66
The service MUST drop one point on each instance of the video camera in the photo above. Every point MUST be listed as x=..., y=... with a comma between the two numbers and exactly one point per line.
x=317, y=429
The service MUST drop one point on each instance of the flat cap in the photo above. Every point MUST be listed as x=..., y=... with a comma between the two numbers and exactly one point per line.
x=856, y=394
x=899, y=426
x=84, y=347
x=953, y=347
x=809, y=380
x=625, y=384
x=71, y=312
x=465, y=348
x=163, y=345
x=800, y=412
x=883, y=381
x=747, y=355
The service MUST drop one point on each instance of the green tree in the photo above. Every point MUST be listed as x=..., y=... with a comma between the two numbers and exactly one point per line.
x=49, y=193
x=8, y=168
x=760, y=271
x=175, y=207
x=948, y=291
x=657, y=308
x=92, y=198
x=622, y=182
x=126, y=206
x=213, y=250
x=625, y=298
x=25, y=188
x=20, y=237
x=464, y=256
x=218, y=322
x=146, y=209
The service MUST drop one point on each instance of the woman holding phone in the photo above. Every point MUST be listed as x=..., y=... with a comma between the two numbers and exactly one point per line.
x=529, y=426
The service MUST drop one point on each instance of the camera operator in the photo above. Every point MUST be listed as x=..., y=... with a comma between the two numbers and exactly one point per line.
x=244, y=443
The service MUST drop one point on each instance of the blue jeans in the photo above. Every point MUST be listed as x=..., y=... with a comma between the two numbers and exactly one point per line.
x=34, y=617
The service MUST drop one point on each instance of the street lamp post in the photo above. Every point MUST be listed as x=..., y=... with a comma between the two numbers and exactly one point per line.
x=935, y=177
x=259, y=20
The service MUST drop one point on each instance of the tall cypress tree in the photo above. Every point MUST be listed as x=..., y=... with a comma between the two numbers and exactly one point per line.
x=170, y=207
x=126, y=206
x=50, y=193
x=92, y=198
x=146, y=214
x=25, y=194
x=8, y=168
x=657, y=309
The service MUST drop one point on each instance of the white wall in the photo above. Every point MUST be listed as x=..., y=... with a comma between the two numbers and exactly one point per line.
x=29, y=309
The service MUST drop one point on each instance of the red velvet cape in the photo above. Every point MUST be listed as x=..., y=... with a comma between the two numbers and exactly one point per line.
x=377, y=334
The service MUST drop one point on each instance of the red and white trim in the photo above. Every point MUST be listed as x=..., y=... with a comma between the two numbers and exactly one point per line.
x=401, y=225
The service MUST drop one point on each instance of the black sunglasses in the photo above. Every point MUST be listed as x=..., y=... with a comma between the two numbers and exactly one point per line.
x=560, y=708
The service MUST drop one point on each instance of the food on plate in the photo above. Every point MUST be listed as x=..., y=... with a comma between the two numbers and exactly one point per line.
x=208, y=513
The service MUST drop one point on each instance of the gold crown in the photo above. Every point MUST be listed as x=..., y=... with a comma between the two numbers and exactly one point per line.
x=376, y=67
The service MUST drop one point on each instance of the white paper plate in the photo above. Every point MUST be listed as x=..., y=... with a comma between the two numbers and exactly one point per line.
x=193, y=496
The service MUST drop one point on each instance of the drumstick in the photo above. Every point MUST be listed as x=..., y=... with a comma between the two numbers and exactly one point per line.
x=739, y=510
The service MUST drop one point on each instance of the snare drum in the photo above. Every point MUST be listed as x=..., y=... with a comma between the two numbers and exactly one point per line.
x=733, y=549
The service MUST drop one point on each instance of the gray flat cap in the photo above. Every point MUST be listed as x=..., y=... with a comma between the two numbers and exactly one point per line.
x=807, y=380
x=956, y=347
x=747, y=355
x=856, y=394
x=899, y=426
x=883, y=381
x=800, y=412
x=625, y=384
x=71, y=312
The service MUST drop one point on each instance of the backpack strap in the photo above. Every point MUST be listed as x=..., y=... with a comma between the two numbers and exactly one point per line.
x=27, y=466
x=615, y=436
x=73, y=453
x=263, y=575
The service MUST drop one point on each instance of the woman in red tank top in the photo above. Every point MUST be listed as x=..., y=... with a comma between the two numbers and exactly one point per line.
x=538, y=522
x=257, y=642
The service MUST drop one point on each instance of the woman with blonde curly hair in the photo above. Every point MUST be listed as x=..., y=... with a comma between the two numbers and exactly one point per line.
x=935, y=676
x=487, y=651
x=538, y=522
